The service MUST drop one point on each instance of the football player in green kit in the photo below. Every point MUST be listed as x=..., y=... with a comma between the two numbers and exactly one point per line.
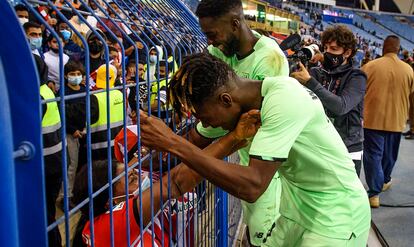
x=322, y=203
x=252, y=56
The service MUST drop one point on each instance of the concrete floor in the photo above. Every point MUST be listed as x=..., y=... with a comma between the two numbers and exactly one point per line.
x=397, y=224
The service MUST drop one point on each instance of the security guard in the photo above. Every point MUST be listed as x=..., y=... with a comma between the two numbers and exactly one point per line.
x=159, y=90
x=98, y=116
x=99, y=128
x=52, y=154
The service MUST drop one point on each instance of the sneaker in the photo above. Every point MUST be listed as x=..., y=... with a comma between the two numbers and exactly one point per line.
x=374, y=202
x=407, y=133
x=409, y=136
x=386, y=186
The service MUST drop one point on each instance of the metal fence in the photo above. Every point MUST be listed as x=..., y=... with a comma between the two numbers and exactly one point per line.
x=159, y=33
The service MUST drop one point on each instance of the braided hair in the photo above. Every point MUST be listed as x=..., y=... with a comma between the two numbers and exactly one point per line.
x=198, y=78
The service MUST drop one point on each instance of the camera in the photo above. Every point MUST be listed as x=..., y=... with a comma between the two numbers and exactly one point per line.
x=300, y=53
x=303, y=55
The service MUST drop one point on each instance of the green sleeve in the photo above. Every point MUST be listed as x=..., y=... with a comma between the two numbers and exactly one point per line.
x=273, y=64
x=216, y=52
x=210, y=132
x=284, y=117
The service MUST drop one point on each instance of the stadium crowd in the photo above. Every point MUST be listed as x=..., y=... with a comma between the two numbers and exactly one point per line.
x=119, y=54
x=346, y=113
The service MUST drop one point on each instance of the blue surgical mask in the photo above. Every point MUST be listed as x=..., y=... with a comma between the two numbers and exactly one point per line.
x=145, y=184
x=35, y=43
x=66, y=34
x=153, y=58
x=75, y=80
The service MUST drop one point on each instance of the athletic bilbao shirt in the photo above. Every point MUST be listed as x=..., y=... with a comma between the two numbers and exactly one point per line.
x=320, y=189
x=102, y=230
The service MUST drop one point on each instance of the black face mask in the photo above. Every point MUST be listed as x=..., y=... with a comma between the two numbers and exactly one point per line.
x=55, y=50
x=95, y=47
x=332, y=61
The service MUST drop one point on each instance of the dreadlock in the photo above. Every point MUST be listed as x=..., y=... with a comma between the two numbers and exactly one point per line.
x=198, y=78
x=217, y=8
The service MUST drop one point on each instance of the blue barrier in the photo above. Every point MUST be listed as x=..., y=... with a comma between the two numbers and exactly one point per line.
x=20, y=175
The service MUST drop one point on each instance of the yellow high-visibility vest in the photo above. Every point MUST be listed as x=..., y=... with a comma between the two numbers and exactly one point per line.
x=99, y=128
x=51, y=124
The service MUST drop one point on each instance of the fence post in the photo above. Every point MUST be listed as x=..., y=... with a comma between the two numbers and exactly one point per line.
x=8, y=236
x=221, y=210
x=23, y=175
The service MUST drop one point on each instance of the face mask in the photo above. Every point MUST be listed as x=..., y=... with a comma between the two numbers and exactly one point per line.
x=66, y=34
x=332, y=61
x=145, y=184
x=95, y=47
x=55, y=50
x=75, y=80
x=35, y=43
x=153, y=58
x=23, y=20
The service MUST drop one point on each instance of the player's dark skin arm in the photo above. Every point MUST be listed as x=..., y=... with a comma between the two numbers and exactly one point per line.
x=244, y=182
x=184, y=179
x=197, y=139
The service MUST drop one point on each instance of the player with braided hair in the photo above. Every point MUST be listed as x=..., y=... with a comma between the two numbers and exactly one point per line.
x=323, y=202
x=198, y=70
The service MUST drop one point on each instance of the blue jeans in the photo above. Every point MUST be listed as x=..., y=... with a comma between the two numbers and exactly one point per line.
x=380, y=154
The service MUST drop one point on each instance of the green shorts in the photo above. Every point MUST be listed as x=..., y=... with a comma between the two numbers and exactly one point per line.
x=262, y=214
x=288, y=233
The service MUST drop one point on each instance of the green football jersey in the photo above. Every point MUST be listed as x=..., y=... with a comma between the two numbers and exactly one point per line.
x=320, y=188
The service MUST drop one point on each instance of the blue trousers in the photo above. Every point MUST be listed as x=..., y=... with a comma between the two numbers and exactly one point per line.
x=380, y=154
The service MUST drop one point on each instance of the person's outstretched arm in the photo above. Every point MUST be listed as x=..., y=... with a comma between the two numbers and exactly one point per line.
x=184, y=179
x=244, y=182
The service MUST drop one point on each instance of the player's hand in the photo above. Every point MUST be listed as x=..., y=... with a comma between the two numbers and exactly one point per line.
x=302, y=75
x=155, y=133
x=248, y=125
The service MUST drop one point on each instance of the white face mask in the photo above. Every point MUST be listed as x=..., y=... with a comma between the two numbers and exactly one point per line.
x=23, y=20
x=145, y=184
x=153, y=58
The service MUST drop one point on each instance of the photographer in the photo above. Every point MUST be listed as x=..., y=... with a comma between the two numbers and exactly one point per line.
x=340, y=87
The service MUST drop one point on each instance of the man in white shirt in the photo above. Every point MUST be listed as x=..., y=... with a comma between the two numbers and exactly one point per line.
x=52, y=60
